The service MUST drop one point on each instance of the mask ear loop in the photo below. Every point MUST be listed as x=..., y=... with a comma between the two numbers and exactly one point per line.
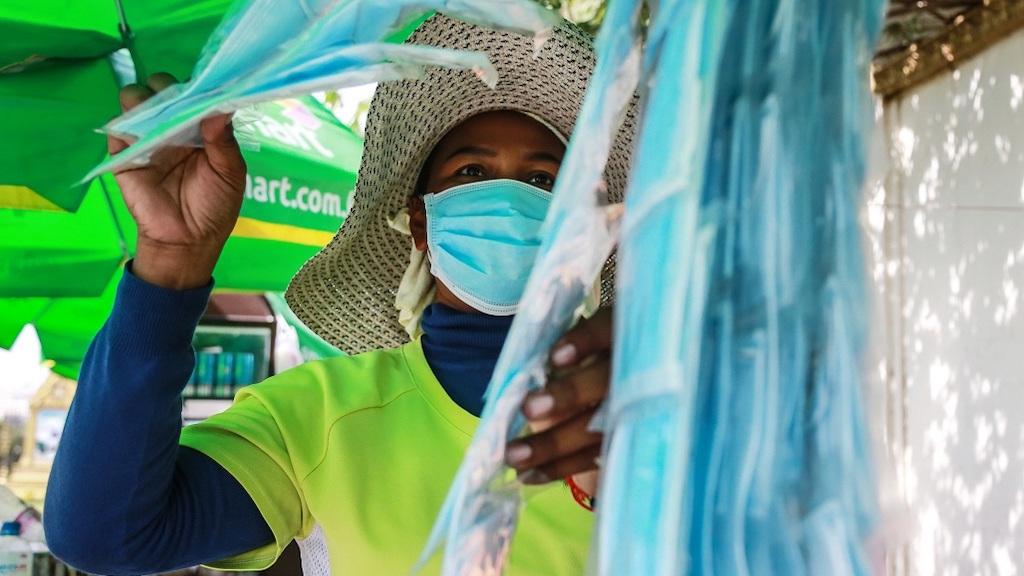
x=416, y=290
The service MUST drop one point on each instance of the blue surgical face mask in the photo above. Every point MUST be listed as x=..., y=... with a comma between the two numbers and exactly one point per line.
x=483, y=238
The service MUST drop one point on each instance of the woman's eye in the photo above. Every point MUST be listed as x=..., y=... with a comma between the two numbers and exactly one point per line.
x=470, y=171
x=541, y=180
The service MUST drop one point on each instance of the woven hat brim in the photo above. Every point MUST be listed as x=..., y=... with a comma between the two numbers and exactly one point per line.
x=346, y=293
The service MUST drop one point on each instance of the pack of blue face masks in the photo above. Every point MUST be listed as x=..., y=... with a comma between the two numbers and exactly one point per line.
x=735, y=434
x=268, y=50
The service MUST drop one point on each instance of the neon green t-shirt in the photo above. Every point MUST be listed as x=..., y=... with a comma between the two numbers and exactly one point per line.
x=362, y=450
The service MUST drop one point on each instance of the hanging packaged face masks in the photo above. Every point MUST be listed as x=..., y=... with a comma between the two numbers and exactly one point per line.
x=483, y=238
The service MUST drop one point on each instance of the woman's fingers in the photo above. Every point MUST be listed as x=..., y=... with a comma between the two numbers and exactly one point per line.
x=160, y=81
x=567, y=448
x=562, y=410
x=134, y=94
x=218, y=135
x=580, y=389
x=573, y=464
x=115, y=145
x=222, y=149
x=590, y=336
x=580, y=371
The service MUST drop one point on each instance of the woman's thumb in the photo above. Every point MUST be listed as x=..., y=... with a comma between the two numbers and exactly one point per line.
x=222, y=148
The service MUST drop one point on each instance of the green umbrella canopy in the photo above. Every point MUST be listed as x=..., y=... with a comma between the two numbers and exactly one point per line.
x=167, y=35
x=302, y=166
x=38, y=30
x=48, y=138
x=63, y=254
x=57, y=86
x=297, y=195
x=66, y=326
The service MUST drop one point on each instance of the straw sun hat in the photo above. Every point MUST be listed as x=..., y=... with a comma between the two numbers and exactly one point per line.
x=346, y=293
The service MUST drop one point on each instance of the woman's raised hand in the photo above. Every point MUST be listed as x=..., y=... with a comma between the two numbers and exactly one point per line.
x=185, y=202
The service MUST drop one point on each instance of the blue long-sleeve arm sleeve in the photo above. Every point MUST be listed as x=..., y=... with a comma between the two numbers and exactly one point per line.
x=123, y=497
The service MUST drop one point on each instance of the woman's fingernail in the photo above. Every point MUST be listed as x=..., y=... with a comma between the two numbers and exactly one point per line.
x=563, y=354
x=538, y=406
x=533, y=477
x=517, y=454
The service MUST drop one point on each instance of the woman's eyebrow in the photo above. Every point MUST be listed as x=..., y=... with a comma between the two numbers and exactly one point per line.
x=474, y=151
x=543, y=156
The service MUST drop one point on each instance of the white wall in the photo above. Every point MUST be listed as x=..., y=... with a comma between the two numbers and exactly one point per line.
x=946, y=220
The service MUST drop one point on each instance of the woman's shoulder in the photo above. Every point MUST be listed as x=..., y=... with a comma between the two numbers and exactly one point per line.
x=345, y=383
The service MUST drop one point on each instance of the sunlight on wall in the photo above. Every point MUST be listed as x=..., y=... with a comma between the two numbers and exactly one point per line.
x=945, y=227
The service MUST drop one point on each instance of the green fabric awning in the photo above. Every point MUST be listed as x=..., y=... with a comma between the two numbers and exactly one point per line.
x=57, y=85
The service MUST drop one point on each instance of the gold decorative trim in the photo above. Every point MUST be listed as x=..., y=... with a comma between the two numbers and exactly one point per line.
x=969, y=34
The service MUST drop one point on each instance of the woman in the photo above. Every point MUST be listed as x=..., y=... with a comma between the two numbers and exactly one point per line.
x=351, y=456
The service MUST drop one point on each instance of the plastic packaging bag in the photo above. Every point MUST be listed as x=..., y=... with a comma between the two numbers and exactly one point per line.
x=479, y=515
x=267, y=49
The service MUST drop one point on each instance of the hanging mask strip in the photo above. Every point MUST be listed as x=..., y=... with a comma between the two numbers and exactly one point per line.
x=269, y=50
x=736, y=436
x=480, y=513
x=737, y=441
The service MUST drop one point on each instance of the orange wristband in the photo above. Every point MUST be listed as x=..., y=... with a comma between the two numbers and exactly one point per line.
x=584, y=499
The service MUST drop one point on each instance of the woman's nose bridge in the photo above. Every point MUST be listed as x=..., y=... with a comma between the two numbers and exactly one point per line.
x=509, y=165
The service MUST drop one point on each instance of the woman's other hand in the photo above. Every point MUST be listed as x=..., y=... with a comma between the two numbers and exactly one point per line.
x=560, y=413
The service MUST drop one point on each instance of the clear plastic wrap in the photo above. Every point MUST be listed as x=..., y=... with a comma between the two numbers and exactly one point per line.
x=479, y=515
x=267, y=50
